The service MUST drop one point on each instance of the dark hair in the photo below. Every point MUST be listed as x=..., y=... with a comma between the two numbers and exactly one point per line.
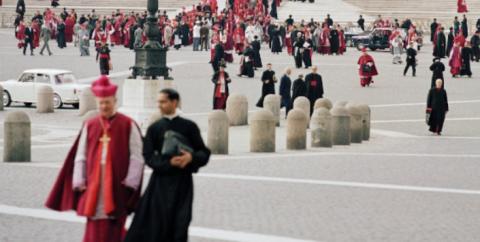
x=172, y=94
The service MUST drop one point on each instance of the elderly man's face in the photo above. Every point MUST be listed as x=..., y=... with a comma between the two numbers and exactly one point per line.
x=106, y=106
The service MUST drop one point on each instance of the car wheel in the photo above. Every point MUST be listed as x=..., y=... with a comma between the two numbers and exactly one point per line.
x=373, y=48
x=76, y=105
x=27, y=104
x=57, y=101
x=7, y=100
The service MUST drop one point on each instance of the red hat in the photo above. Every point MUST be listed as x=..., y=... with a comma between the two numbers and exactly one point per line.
x=102, y=87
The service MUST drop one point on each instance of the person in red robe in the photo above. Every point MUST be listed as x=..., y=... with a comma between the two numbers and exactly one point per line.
x=117, y=36
x=20, y=34
x=460, y=39
x=239, y=39
x=325, y=40
x=367, y=68
x=221, y=80
x=36, y=33
x=102, y=174
x=455, y=62
x=462, y=6
x=69, y=25
x=341, y=39
x=288, y=40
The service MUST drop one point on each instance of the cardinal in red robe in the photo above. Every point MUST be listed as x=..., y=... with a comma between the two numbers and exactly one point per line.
x=367, y=68
x=462, y=6
x=102, y=174
x=455, y=62
x=69, y=24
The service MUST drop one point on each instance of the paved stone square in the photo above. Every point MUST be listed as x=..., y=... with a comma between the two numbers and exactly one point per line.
x=402, y=185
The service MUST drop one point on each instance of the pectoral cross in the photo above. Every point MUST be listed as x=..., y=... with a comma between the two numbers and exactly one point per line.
x=105, y=139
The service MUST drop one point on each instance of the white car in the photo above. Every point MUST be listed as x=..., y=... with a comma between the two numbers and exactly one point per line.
x=65, y=87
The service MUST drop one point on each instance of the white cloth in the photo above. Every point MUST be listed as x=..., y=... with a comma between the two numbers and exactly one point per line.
x=196, y=31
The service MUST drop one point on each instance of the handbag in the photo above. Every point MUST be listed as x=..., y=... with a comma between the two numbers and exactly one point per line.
x=174, y=143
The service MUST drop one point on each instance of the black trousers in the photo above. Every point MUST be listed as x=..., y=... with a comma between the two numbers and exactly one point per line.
x=414, y=69
x=25, y=47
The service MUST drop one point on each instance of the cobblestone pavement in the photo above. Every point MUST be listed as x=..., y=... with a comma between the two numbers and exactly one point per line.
x=402, y=185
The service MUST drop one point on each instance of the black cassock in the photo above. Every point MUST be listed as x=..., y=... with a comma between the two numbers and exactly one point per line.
x=437, y=103
x=298, y=45
x=257, y=59
x=433, y=30
x=267, y=88
x=450, y=40
x=475, y=41
x=437, y=68
x=61, y=36
x=334, y=42
x=466, y=55
x=299, y=89
x=246, y=65
x=165, y=210
x=276, y=42
x=285, y=91
x=439, y=50
x=218, y=55
x=307, y=53
x=314, y=84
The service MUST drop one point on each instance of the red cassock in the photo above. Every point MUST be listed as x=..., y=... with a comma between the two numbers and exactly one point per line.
x=239, y=39
x=119, y=201
x=366, y=77
x=462, y=6
x=69, y=25
x=116, y=37
x=460, y=39
x=36, y=34
x=455, y=62
x=21, y=35
x=343, y=44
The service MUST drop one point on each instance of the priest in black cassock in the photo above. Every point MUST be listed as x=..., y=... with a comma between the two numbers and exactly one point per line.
x=440, y=45
x=268, y=87
x=314, y=85
x=285, y=91
x=299, y=89
x=165, y=210
x=437, y=107
x=437, y=69
x=257, y=58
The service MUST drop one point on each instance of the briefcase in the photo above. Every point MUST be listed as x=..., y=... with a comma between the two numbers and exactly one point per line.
x=174, y=143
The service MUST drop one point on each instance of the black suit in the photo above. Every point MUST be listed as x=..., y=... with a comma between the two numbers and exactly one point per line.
x=28, y=40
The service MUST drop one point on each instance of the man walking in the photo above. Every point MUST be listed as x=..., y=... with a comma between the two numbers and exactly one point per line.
x=102, y=174
x=314, y=84
x=28, y=39
x=165, y=210
x=45, y=35
x=411, y=59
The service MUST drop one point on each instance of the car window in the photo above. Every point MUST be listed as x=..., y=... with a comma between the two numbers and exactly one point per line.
x=42, y=78
x=27, y=77
x=65, y=78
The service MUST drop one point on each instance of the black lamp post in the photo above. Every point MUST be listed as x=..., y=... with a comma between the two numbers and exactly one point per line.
x=151, y=58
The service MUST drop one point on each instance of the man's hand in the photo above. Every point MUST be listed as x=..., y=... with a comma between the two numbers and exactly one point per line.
x=181, y=161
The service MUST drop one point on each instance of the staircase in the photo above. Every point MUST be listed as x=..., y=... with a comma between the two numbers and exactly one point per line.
x=7, y=11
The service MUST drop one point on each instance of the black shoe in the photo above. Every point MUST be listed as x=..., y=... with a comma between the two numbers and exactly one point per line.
x=41, y=53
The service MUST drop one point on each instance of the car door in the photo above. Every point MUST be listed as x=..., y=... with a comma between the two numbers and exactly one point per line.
x=24, y=90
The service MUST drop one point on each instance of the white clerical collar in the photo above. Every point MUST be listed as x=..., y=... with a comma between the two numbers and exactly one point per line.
x=174, y=115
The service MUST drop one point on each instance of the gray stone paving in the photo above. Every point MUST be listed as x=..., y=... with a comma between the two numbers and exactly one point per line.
x=401, y=152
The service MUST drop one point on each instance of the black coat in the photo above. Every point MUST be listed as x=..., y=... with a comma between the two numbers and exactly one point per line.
x=314, y=84
x=165, y=209
x=61, y=36
x=28, y=35
x=257, y=59
x=267, y=88
x=299, y=89
x=411, y=56
x=218, y=55
x=439, y=50
x=334, y=42
x=437, y=104
x=467, y=56
x=437, y=68
x=285, y=91
x=215, y=82
x=20, y=9
x=451, y=38
x=433, y=30
x=465, y=27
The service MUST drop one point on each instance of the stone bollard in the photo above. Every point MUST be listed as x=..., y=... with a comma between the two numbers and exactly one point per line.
x=296, y=130
x=262, y=132
x=340, y=104
x=356, y=126
x=323, y=103
x=340, y=126
x=321, y=126
x=87, y=101
x=45, y=99
x=217, y=138
x=366, y=112
x=303, y=104
x=237, y=110
x=17, y=137
x=272, y=104
x=1, y=98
